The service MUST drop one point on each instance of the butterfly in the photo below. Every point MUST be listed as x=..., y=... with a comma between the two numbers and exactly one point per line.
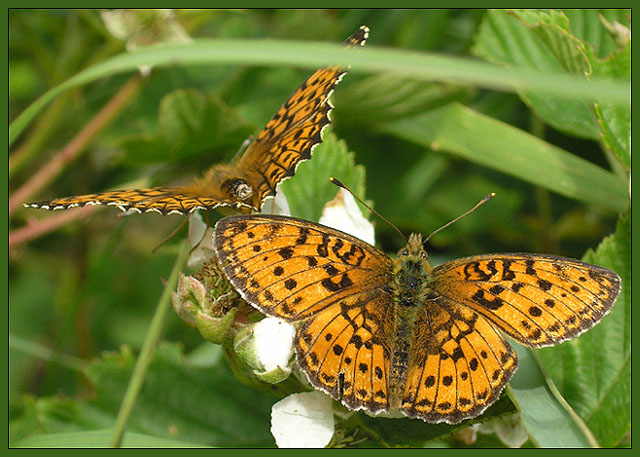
x=288, y=139
x=382, y=334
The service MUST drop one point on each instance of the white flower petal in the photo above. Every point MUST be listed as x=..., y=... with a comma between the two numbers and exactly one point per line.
x=303, y=420
x=509, y=429
x=273, y=340
x=276, y=205
x=200, y=233
x=343, y=213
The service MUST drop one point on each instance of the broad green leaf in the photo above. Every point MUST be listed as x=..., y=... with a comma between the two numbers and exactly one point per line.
x=506, y=40
x=311, y=189
x=313, y=55
x=189, y=124
x=593, y=372
x=100, y=438
x=548, y=421
x=181, y=114
x=465, y=133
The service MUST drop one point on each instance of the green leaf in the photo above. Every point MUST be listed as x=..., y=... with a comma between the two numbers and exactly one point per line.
x=190, y=124
x=615, y=120
x=180, y=116
x=511, y=40
x=311, y=190
x=465, y=133
x=593, y=372
x=387, y=97
x=548, y=421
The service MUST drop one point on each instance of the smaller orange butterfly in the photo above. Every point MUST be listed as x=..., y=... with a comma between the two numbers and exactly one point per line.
x=382, y=334
x=288, y=139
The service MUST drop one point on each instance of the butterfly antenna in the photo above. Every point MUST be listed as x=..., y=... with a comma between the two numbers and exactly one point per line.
x=170, y=236
x=480, y=203
x=339, y=184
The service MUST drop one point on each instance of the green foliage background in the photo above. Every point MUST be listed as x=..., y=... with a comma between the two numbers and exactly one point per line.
x=421, y=136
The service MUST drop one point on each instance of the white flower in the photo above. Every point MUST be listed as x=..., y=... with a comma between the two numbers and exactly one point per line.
x=276, y=205
x=343, y=213
x=303, y=420
x=274, y=343
x=201, y=236
x=509, y=429
x=140, y=27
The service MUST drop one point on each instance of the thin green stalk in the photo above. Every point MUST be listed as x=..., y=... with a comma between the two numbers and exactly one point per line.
x=148, y=348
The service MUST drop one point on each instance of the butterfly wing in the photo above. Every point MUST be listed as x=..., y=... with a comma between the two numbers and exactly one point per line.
x=459, y=365
x=538, y=300
x=163, y=200
x=333, y=283
x=296, y=128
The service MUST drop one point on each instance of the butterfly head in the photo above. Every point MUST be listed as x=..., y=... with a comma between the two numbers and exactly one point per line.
x=238, y=189
x=414, y=249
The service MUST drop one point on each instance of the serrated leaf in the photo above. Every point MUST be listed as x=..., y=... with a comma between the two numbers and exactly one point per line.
x=593, y=372
x=615, y=121
x=473, y=136
x=587, y=25
x=311, y=189
x=508, y=39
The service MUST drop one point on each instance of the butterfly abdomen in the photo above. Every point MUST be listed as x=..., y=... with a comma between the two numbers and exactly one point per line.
x=409, y=293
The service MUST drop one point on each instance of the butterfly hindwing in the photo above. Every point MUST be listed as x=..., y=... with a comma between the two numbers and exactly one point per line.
x=460, y=364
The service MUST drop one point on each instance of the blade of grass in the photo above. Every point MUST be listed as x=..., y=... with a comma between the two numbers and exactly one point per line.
x=148, y=348
x=413, y=65
x=473, y=136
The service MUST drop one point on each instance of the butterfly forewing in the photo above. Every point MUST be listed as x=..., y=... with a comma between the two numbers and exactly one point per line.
x=293, y=269
x=163, y=200
x=538, y=300
x=296, y=128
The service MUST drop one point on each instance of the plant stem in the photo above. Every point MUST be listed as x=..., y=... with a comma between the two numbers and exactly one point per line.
x=148, y=348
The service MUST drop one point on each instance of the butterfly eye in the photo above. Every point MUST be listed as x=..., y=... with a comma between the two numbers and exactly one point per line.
x=423, y=255
x=240, y=189
x=403, y=252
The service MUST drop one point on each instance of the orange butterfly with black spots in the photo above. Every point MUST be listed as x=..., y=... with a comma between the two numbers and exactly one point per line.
x=288, y=139
x=382, y=334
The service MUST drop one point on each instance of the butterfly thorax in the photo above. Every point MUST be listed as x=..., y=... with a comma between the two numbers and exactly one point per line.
x=410, y=292
x=228, y=184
